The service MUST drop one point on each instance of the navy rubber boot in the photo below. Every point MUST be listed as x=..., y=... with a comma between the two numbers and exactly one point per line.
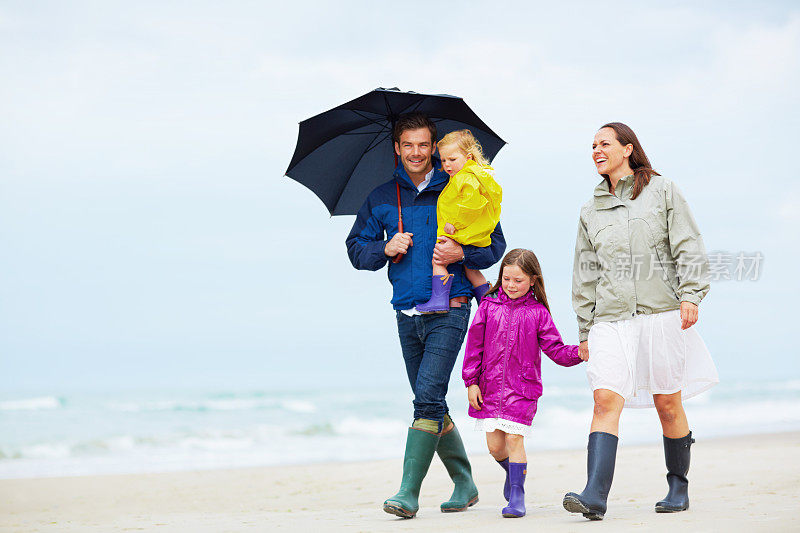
x=676, y=454
x=440, y=295
x=516, y=496
x=602, y=456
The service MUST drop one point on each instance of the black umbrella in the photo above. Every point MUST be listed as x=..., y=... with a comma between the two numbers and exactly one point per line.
x=344, y=153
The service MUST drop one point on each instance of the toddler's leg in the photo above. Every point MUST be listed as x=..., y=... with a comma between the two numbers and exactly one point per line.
x=479, y=284
x=475, y=277
x=439, y=270
x=441, y=282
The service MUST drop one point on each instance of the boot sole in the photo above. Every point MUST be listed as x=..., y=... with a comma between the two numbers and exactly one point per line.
x=398, y=511
x=574, y=505
x=472, y=502
x=510, y=515
x=661, y=509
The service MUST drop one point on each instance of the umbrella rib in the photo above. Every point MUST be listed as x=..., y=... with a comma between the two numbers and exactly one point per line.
x=369, y=147
x=375, y=144
x=374, y=121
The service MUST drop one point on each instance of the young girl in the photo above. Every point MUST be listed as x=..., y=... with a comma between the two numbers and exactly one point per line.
x=502, y=365
x=467, y=211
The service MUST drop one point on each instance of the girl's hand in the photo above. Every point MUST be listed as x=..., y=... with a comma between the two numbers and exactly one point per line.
x=475, y=397
x=583, y=351
x=689, y=314
x=449, y=228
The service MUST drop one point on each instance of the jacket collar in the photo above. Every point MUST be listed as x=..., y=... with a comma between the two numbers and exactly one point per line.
x=603, y=199
x=503, y=298
x=438, y=180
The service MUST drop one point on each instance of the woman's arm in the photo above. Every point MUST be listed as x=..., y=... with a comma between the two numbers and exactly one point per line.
x=585, y=273
x=686, y=247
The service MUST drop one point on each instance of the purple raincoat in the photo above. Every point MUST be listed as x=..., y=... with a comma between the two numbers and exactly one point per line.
x=503, y=355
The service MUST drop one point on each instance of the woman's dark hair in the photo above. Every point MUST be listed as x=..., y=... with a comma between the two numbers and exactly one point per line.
x=413, y=121
x=529, y=264
x=642, y=171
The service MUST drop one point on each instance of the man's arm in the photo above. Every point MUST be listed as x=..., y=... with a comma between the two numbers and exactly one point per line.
x=367, y=240
x=480, y=257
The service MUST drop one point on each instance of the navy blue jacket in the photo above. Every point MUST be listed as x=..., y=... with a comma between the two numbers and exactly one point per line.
x=376, y=224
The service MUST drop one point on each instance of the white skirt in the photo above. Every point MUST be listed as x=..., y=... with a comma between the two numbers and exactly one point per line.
x=490, y=424
x=649, y=354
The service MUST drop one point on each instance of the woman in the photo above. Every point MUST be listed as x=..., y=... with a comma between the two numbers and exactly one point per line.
x=639, y=276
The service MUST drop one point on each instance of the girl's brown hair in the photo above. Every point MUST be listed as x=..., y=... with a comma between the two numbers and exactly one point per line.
x=529, y=264
x=638, y=161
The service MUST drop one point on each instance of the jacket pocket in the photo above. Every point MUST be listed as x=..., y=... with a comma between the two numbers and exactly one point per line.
x=529, y=383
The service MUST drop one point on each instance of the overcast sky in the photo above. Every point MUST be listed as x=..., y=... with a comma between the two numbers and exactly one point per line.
x=148, y=236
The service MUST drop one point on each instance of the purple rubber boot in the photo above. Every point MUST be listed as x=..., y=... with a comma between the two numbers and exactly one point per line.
x=440, y=295
x=506, y=485
x=480, y=291
x=516, y=500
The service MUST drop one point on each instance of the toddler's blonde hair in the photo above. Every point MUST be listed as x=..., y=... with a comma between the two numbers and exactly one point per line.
x=467, y=143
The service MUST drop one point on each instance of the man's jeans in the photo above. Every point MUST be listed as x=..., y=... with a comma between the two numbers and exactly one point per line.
x=430, y=346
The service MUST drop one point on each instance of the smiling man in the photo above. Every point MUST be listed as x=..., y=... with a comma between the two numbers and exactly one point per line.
x=430, y=342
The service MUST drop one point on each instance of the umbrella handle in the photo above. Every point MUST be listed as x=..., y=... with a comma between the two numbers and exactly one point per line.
x=398, y=257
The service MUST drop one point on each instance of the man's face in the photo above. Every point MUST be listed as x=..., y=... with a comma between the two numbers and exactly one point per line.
x=415, y=149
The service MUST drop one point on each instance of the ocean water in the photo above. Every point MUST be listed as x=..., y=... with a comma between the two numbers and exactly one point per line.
x=157, y=431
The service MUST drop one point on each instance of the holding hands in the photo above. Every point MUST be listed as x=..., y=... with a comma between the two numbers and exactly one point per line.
x=475, y=397
x=583, y=351
x=689, y=315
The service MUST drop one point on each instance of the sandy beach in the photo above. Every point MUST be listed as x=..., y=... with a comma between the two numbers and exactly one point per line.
x=739, y=483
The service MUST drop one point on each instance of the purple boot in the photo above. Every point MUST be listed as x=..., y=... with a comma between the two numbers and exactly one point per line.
x=480, y=291
x=440, y=295
x=506, y=485
x=516, y=500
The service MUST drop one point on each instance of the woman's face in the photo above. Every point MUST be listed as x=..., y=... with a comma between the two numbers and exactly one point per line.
x=515, y=282
x=608, y=154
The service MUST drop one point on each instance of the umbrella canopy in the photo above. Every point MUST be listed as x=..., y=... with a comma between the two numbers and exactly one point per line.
x=344, y=153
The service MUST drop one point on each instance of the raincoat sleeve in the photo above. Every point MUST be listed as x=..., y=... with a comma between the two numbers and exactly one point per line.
x=469, y=205
x=551, y=343
x=585, y=274
x=481, y=257
x=687, y=248
x=367, y=240
x=473, y=354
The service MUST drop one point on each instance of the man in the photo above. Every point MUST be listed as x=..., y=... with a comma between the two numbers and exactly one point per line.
x=430, y=343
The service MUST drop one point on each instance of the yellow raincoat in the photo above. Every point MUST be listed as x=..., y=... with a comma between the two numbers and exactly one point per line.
x=470, y=202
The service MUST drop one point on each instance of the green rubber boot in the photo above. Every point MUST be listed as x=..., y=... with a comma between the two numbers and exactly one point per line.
x=420, y=447
x=451, y=452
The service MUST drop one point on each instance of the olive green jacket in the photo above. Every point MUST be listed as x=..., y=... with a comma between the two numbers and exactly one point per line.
x=636, y=256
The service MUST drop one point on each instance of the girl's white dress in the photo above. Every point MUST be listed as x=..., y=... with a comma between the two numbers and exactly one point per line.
x=490, y=424
x=649, y=354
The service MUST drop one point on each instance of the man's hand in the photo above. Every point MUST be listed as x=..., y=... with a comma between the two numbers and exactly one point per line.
x=689, y=314
x=447, y=251
x=449, y=228
x=583, y=351
x=398, y=244
x=475, y=397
